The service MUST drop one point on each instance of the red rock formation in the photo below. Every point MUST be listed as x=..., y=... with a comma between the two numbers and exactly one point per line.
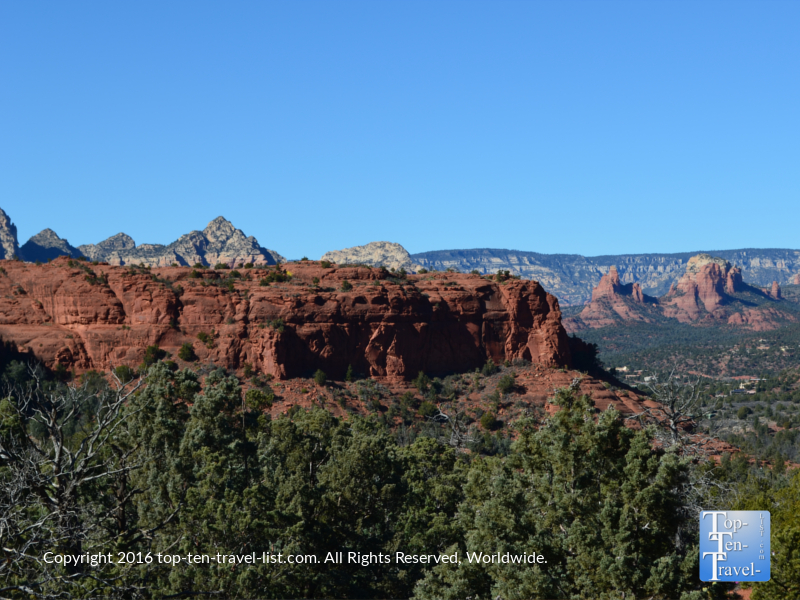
x=610, y=286
x=703, y=288
x=611, y=303
x=796, y=280
x=761, y=319
x=97, y=317
x=705, y=295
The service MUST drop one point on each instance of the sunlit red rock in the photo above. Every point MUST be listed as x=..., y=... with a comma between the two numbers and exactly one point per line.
x=99, y=316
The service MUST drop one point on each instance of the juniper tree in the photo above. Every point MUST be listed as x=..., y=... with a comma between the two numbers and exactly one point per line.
x=591, y=496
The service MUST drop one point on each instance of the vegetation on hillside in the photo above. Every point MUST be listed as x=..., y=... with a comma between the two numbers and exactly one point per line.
x=178, y=465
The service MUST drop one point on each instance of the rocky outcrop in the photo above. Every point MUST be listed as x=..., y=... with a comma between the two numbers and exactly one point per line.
x=710, y=292
x=9, y=246
x=610, y=286
x=109, y=250
x=612, y=303
x=375, y=254
x=98, y=316
x=46, y=245
x=796, y=280
x=703, y=288
x=220, y=242
x=761, y=319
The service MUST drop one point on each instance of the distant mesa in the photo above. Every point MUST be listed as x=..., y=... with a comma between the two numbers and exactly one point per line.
x=571, y=277
x=710, y=292
x=375, y=254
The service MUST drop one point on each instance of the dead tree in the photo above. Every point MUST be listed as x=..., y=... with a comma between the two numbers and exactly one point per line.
x=677, y=411
x=460, y=431
x=64, y=486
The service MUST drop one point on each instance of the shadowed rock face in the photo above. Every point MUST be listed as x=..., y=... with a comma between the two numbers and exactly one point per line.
x=219, y=242
x=97, y=317
x=9, y=246
x=46, y=245
x=376, y=254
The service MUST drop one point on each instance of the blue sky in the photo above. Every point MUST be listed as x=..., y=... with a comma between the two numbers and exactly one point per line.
x=578, y=127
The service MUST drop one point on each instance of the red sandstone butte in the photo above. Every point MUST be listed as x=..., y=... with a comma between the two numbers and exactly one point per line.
x=88, y=316
x=705, y=295
x=702, y=288
x=613, y=302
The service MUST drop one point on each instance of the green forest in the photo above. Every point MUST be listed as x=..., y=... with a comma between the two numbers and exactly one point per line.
x=172, y=464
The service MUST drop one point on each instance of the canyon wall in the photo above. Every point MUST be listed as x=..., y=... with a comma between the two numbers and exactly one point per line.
x=99, y=316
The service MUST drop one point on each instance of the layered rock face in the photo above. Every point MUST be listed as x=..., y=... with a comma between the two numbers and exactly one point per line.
x=46, y=245
x=376, y=254
x=220, y=242
x=98, y=317
x=9, y=246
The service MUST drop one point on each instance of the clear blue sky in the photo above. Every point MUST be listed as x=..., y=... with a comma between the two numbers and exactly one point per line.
x=579, y=127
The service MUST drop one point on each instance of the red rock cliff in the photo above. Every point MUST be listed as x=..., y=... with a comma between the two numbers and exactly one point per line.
x=98, y=317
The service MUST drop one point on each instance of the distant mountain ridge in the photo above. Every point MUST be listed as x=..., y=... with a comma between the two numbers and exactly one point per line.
x=571, y=277
x=219, y=242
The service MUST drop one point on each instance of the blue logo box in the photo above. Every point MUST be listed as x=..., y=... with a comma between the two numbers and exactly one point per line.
x=734, y=545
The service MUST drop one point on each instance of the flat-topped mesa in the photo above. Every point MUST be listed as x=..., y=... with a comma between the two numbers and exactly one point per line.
x=610, y=285
x=86, y=316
